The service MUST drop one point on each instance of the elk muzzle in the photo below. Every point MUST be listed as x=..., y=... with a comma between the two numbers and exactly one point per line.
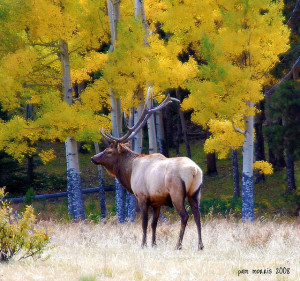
x=93, y=160
x=96, y=159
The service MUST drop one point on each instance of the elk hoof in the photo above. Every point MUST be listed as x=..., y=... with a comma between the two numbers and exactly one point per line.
x=178, y=247
x=200, y=247
x=154, y=245
x=144, y=245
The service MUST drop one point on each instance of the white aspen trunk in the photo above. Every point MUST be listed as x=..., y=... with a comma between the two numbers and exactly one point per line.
x=67, y=85
x=151, y=133
x=247, y=177
x=74, y=180
x=101, y=186
x=113, y=8
x=138, y=138
x=137, y=8
x=116, y=115
x=114, y=15
x=139, y=11
x=160, y=133
x=75, y=198
x=130, y=198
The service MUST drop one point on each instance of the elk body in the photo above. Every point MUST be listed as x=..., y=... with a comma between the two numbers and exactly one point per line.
x=154, y=179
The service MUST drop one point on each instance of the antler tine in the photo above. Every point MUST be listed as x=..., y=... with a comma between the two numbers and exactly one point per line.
x=106, y=136
x=109, y=137
x=164, y=103
x=146, y=113
x=142, y=116
x=140, y=125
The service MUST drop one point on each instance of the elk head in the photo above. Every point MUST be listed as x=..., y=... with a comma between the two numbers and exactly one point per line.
x=117, y=151
x=110, y=155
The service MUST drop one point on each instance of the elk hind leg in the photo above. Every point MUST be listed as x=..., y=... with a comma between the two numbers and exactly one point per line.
x=194, y=201
x=178, y=195
x=144, y=210
x=156, y=212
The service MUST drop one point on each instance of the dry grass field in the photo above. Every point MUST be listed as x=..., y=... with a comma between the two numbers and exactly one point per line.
x=89, y=252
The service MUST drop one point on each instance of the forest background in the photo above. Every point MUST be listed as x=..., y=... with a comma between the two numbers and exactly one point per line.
x=70, y=67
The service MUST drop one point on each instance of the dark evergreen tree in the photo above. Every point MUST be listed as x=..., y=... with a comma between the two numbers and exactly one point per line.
x=259, y=144
x=235, y=173
x=182, y=127
x=286, y=105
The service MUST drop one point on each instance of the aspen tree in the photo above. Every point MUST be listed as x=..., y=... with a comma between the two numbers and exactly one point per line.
x=113, y=8
x=236, y=43
x=58, y=39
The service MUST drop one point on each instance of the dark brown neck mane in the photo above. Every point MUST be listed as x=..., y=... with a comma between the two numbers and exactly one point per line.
x=122, y=169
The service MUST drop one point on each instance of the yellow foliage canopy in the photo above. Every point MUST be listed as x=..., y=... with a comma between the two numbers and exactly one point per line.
x=237, y=43
x=223, y=138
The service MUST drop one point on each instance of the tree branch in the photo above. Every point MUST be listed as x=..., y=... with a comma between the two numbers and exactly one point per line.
x=52, y=44
x=105, y=12
x=49, y=63
x=47, y=76
x=294, y=11
x=281, y=61
x=285, y=78
x=237, y=129
x=50, y=54
x=40, y=85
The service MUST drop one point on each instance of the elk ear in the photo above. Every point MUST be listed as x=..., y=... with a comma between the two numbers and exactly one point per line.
x=121, y=148
x=114, y=144
x=128, y=145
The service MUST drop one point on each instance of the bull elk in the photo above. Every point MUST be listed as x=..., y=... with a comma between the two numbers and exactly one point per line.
x=154, y=179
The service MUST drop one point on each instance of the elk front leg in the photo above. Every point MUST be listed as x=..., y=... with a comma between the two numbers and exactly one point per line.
x=156, y=212
x=144, y=211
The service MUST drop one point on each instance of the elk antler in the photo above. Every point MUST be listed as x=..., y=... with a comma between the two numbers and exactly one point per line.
x=146, y=113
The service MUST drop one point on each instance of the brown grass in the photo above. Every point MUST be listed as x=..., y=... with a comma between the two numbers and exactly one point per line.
x=110, y=251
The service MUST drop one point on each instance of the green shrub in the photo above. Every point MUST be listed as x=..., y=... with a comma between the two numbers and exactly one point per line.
x=94, y=214
x=18, y=234
x=61, y=210
x=219, y=205
x=29, y=196
x=88, y=278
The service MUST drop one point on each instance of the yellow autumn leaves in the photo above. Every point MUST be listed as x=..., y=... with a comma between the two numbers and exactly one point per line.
x=231, y=45
x=223, y=138
x=238, y=47
x=263, y=167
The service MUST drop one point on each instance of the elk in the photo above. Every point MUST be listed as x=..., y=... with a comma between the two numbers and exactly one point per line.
x=154, y=179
